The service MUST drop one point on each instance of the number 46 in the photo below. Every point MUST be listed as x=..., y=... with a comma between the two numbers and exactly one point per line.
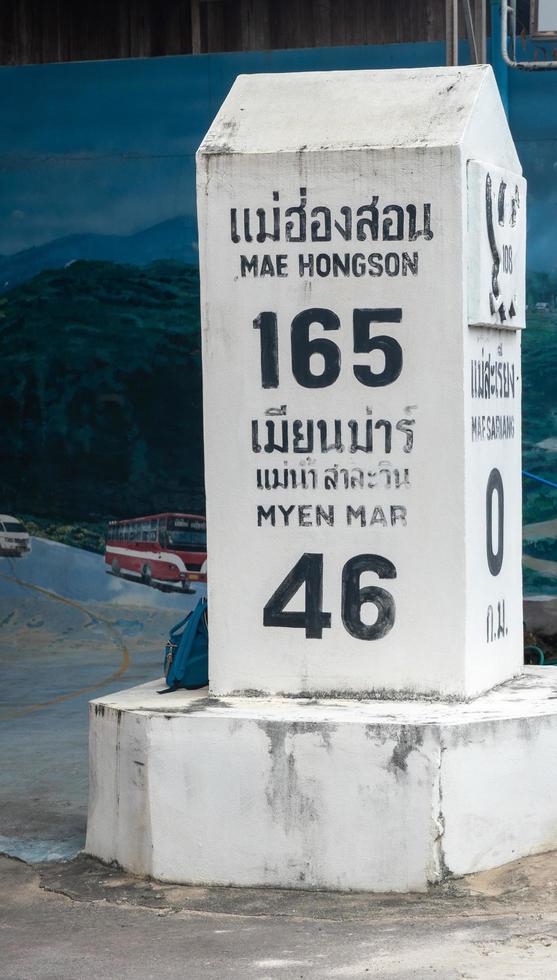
x=308, y=571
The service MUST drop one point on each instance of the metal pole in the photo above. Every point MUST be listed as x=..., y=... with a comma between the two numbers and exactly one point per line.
x=480, y=30
x=471, y=32
x=505, y=9
x=195, y=27
x=451, y=31
x=500, y=69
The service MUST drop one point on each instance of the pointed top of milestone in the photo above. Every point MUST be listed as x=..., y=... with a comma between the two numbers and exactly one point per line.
x=352, y=110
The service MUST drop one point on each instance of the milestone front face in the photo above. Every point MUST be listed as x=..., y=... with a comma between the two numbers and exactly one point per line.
x=336, y=414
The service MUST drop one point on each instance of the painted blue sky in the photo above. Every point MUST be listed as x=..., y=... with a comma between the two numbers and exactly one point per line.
x=108, y=147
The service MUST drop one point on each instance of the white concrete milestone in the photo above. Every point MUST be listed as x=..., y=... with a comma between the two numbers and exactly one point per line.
x=378, y=796
x=362, y=276
x=362, y=441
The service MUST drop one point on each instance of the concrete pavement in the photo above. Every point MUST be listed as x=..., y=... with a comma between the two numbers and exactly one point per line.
x=83, y=921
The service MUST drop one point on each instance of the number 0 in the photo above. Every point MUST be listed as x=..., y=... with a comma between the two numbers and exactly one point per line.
x=494, y=485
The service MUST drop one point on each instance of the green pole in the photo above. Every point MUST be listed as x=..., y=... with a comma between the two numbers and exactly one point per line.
x=500, y=69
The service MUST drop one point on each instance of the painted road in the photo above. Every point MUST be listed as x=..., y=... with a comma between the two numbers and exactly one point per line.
x=541, y=565
x=535, y=532
x=542, y=529
x=68, y=633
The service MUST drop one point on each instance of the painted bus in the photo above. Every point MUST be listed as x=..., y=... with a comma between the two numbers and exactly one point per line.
x=167, y=551
x=14, y=539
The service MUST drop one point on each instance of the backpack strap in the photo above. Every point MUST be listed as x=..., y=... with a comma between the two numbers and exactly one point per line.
x=175, y=631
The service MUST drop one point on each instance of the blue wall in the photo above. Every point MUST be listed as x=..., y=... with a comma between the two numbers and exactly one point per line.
x=97, y=164
x=109, y=146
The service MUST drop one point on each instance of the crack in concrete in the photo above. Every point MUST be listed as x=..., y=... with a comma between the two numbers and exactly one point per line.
x=442, y=870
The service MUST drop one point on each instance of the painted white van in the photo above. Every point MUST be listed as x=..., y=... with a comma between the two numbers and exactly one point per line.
x=14, y=538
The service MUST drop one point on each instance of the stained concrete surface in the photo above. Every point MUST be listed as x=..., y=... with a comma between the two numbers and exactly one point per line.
x=80, y=919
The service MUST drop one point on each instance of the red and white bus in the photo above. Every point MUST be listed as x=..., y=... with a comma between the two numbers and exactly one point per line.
x=166, y=551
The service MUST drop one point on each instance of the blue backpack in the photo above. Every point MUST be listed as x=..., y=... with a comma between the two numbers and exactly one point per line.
x=186, y=660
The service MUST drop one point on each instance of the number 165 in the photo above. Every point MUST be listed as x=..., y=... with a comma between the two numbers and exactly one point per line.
x=302, y=348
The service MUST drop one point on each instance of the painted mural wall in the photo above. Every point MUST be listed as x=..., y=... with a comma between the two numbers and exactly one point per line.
x=100, y=380
x=533, y=120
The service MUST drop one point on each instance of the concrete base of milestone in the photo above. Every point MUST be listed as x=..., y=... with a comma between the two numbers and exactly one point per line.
x=347, y=795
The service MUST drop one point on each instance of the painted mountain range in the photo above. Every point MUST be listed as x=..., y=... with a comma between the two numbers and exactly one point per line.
x=175, y=238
